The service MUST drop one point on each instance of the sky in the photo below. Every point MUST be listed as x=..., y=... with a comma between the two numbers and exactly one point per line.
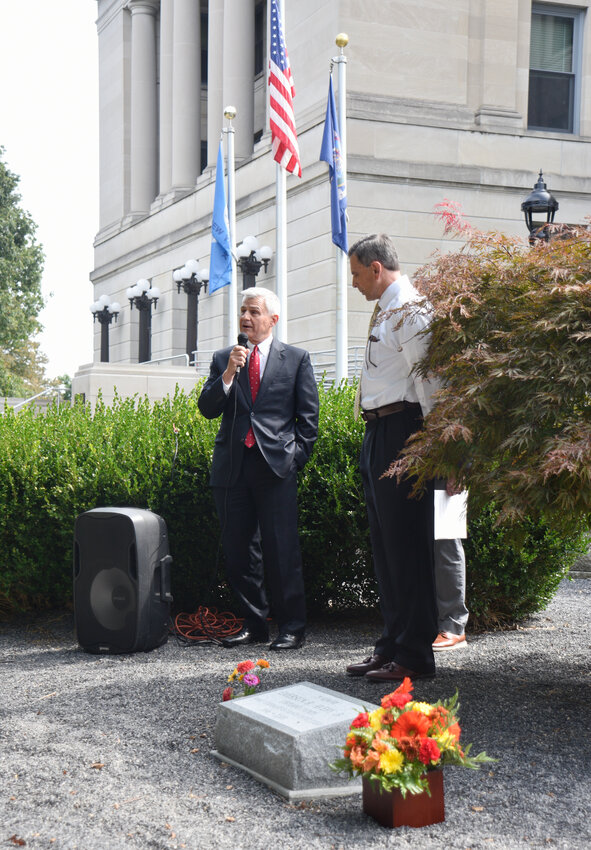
x=49, y=132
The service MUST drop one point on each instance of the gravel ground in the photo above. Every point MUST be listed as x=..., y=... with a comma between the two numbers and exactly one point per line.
x=101, y=753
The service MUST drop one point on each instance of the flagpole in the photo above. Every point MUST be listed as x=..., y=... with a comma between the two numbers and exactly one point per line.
x=281, y=233
x=230, y=114
x=342, y=330
x=281, y=247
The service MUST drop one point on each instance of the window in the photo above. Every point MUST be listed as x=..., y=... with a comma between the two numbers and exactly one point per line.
x=554, y=68
x=204, y=46
x=259, y=38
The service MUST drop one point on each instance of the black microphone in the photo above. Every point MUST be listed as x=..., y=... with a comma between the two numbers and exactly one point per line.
x=242, y=340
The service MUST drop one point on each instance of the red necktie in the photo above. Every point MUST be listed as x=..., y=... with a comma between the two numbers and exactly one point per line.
x=254, y=378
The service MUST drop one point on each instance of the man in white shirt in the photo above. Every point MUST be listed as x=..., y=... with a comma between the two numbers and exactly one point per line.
x=394, y=400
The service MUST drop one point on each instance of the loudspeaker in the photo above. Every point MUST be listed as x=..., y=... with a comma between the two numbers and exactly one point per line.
x=121, y=580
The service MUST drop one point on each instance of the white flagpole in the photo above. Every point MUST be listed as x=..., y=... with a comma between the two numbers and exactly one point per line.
x=342, y=330
x=281, y=248
x=281, y=231
x=230, y=113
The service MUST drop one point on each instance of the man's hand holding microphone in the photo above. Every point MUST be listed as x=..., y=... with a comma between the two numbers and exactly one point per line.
x=237, y=359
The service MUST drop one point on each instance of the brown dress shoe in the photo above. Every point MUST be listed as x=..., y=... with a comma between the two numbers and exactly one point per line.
x=393, y=672
x=371, y=663
x=446, y=640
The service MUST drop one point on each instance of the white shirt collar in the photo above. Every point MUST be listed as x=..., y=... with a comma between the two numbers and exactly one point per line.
x=264, y=346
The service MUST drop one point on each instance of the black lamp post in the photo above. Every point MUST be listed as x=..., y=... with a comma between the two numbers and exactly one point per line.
x=191, y=279
x=541, y=204
x=105, y=311
x=142, y=296
x=251, y=259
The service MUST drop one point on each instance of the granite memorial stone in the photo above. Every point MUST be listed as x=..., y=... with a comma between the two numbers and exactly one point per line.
x=287, y=737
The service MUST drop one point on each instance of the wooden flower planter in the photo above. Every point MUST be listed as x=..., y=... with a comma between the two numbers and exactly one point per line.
x=390, y=808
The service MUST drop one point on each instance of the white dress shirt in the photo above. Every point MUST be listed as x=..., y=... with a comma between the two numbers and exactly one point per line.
x=264, y=347
x=393, y=351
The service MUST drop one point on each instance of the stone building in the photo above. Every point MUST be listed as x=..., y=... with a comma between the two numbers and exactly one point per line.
x=457, y=99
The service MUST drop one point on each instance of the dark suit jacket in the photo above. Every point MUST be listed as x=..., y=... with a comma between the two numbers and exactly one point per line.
x=284, y=417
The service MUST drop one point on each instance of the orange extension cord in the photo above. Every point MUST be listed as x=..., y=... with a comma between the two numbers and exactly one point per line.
x=205, y=625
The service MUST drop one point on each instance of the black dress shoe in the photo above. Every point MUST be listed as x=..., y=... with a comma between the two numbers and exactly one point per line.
x=393, y=672
x=374, y=662
x=245, y=635
x=287, y=640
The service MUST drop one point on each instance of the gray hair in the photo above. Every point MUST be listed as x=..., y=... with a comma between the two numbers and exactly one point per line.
x=270, y=299
x=378, y=247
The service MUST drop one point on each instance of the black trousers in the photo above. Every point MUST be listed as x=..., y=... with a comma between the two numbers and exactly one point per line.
x=401, y=531
x=262, y=500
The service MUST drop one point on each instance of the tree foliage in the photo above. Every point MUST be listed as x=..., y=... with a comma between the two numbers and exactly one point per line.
x=21, y=266
x=510, y=344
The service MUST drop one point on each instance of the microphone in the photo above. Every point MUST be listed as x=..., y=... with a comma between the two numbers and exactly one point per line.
x=242, y=340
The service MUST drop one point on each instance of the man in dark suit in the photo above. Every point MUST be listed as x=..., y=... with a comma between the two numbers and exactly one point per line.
x=267, y=397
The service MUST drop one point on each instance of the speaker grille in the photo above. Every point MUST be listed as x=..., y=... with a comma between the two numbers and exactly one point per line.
x=118, y=554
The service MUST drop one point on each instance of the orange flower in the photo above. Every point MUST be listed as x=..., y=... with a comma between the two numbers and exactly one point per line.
x=409, y=724
x=262, y=663
x=357, y=757
x=379, y=744
x=371, y=760
x=454, y=730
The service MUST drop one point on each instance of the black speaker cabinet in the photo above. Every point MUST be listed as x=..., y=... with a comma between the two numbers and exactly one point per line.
x=121, y=580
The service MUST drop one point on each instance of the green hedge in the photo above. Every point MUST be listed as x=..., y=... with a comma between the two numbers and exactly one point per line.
x=56, y=465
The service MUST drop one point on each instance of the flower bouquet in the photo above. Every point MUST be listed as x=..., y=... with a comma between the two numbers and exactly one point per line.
x=396, y=745
x=247, y=676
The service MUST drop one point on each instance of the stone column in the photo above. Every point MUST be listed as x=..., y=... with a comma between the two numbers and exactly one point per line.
x=215, y=71
x=186, y=94
x=144, y=106
x=166, y=52
x=498, y=65
x=238, y=71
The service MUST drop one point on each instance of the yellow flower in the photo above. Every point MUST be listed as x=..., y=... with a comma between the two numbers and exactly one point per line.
x=391, y=761
x=232, y=676
x=422, y=707
x=375, y=719
x=445, y=740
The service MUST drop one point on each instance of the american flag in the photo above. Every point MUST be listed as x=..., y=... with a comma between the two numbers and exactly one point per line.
x=281, y=91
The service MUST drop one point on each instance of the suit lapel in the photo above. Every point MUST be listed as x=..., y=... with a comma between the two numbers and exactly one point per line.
x=274, y=364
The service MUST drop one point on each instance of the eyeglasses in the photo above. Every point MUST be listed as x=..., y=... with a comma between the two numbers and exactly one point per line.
x=368, y=361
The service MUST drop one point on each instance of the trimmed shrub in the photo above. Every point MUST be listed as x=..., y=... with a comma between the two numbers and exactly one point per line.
x=157, y=455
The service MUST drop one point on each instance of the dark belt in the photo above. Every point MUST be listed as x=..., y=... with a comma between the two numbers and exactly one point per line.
x=387, y=409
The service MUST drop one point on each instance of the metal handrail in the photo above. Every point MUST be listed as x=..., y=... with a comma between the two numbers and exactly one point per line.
x=46, y=391
x=323, y=363
x=164, y=359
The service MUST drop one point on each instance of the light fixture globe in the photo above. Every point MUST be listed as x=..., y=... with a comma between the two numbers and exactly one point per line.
x=192, y=266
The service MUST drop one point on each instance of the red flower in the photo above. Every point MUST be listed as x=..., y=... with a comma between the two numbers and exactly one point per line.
x=360, y=721
x=399, y=697
x=429, y=751
x=395, y=700
x=245, y=666
x=227, y=694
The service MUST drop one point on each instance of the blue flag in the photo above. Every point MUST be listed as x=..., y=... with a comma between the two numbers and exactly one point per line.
x=220, y=264
x=330, y=152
